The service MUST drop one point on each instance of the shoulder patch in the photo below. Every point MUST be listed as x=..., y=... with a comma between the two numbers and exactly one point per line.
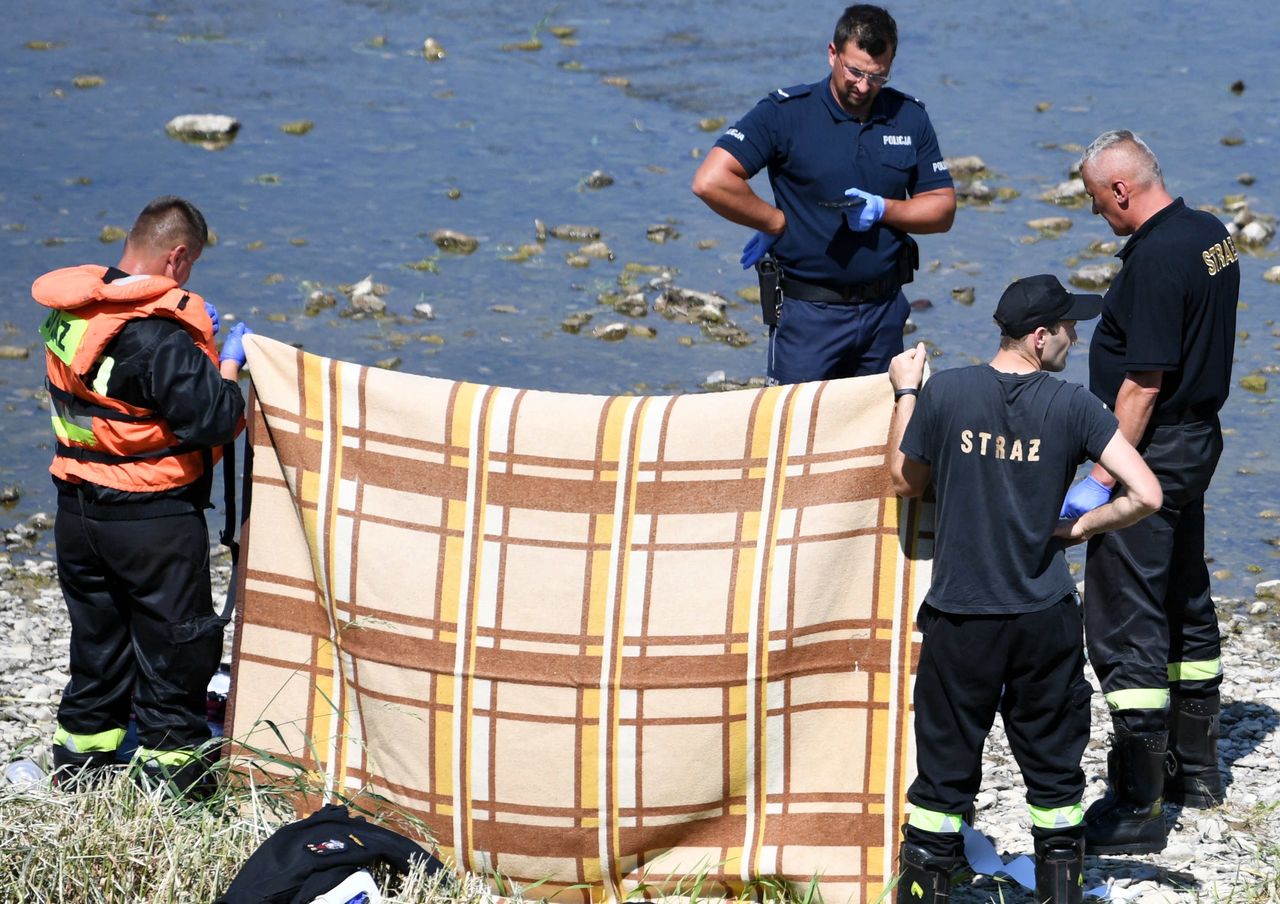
x=782, y=95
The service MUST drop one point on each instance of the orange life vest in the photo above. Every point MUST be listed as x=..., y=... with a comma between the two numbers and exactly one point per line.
x=100, y=439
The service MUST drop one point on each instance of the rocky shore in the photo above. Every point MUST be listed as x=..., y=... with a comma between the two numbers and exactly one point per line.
x=1228, y=854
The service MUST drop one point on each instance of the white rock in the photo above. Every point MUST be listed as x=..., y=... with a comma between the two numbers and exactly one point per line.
x=1257, y=232
x=1272, y=274
x=203, y=127
x=1095, y=276
x=1070, y=190
x=1268, y=589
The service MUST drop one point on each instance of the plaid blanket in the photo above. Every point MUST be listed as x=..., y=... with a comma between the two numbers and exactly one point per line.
x=596, y=643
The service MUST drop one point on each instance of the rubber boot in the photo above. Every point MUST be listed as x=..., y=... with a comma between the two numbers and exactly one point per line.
x=923, y=877
x=75, y=771
x=1060, y=869
x=194, y=780
x=1130, y=818
x=1193, y=740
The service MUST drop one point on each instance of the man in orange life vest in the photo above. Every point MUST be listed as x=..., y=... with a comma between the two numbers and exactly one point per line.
x=141, y=402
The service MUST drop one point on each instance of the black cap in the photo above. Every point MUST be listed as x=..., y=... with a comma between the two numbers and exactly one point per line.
x=1042, y=301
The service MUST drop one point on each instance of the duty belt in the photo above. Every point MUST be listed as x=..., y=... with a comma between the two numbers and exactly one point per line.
x=859, y=293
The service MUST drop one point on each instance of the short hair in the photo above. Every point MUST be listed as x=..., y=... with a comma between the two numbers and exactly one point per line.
x=870, y=27
x=169, y=221
x=1147, y=166
x=1007, y=341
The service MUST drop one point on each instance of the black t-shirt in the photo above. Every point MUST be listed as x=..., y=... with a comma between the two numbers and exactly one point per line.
x=1003, y=449
x=1171, y=308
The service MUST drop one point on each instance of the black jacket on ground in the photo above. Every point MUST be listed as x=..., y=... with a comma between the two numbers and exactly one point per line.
x=305, y=859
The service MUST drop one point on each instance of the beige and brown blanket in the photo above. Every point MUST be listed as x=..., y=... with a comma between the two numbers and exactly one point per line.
x=591, y=642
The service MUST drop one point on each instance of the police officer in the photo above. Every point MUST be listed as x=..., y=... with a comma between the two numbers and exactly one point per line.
x=141, y=398
x=854, y=168
x=1161, y=358
x=1000, y=443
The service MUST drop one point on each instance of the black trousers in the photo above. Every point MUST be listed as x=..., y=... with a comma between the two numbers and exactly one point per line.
x=1149, y=617
x=1030, y=668
x=143, y=631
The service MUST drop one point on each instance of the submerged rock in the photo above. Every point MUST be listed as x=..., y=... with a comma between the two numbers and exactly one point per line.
x=598, y=250
x=111, y=234
x=964, y=295
x=661, y=233
x=676, y=303
x=1272, y=274
x=598, y=179
x=209, y=130
x=571, y=232
x=633, y=305
x=1050, y=224
x=1068, y=194
x=432, y=50
x=14, y=353
x=965, y=167
x=298, y=127
x=364, y=297
x=1254, y=383
x=611, y=332
x=318, y=301
x=454, y=242
x=575, y=322
x=1094, y=276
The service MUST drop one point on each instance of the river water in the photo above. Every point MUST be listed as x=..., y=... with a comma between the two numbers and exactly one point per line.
x=515, y=132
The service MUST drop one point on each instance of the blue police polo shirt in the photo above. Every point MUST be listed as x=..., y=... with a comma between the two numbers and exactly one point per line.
x=815, y=151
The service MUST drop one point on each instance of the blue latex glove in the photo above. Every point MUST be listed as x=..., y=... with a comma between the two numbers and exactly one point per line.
x=233, y=347
x=213, y=315
x=756, y=248
x=860, y=219
x=1085, y=496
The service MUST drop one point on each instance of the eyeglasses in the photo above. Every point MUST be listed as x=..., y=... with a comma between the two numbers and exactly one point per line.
x=858, y=75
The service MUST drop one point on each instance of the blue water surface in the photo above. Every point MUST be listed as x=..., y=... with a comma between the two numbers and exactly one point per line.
x=517, y=131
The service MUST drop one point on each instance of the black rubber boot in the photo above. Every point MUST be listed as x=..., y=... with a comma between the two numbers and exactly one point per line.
x=194, y=780
x=73, y=771
x=1193, y=740
x=1060, y=869
x=923, y=877
x=1130, y=818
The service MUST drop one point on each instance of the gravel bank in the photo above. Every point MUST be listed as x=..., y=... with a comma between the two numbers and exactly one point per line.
x=1230, y=853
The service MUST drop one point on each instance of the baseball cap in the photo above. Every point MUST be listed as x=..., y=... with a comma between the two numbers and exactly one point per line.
x=1042, y=301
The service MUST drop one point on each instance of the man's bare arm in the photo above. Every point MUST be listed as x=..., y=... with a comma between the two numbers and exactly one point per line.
x=929, y=211
x=1135, y=403
x=1142, y=494
x=906, y=371
x=722, y=184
